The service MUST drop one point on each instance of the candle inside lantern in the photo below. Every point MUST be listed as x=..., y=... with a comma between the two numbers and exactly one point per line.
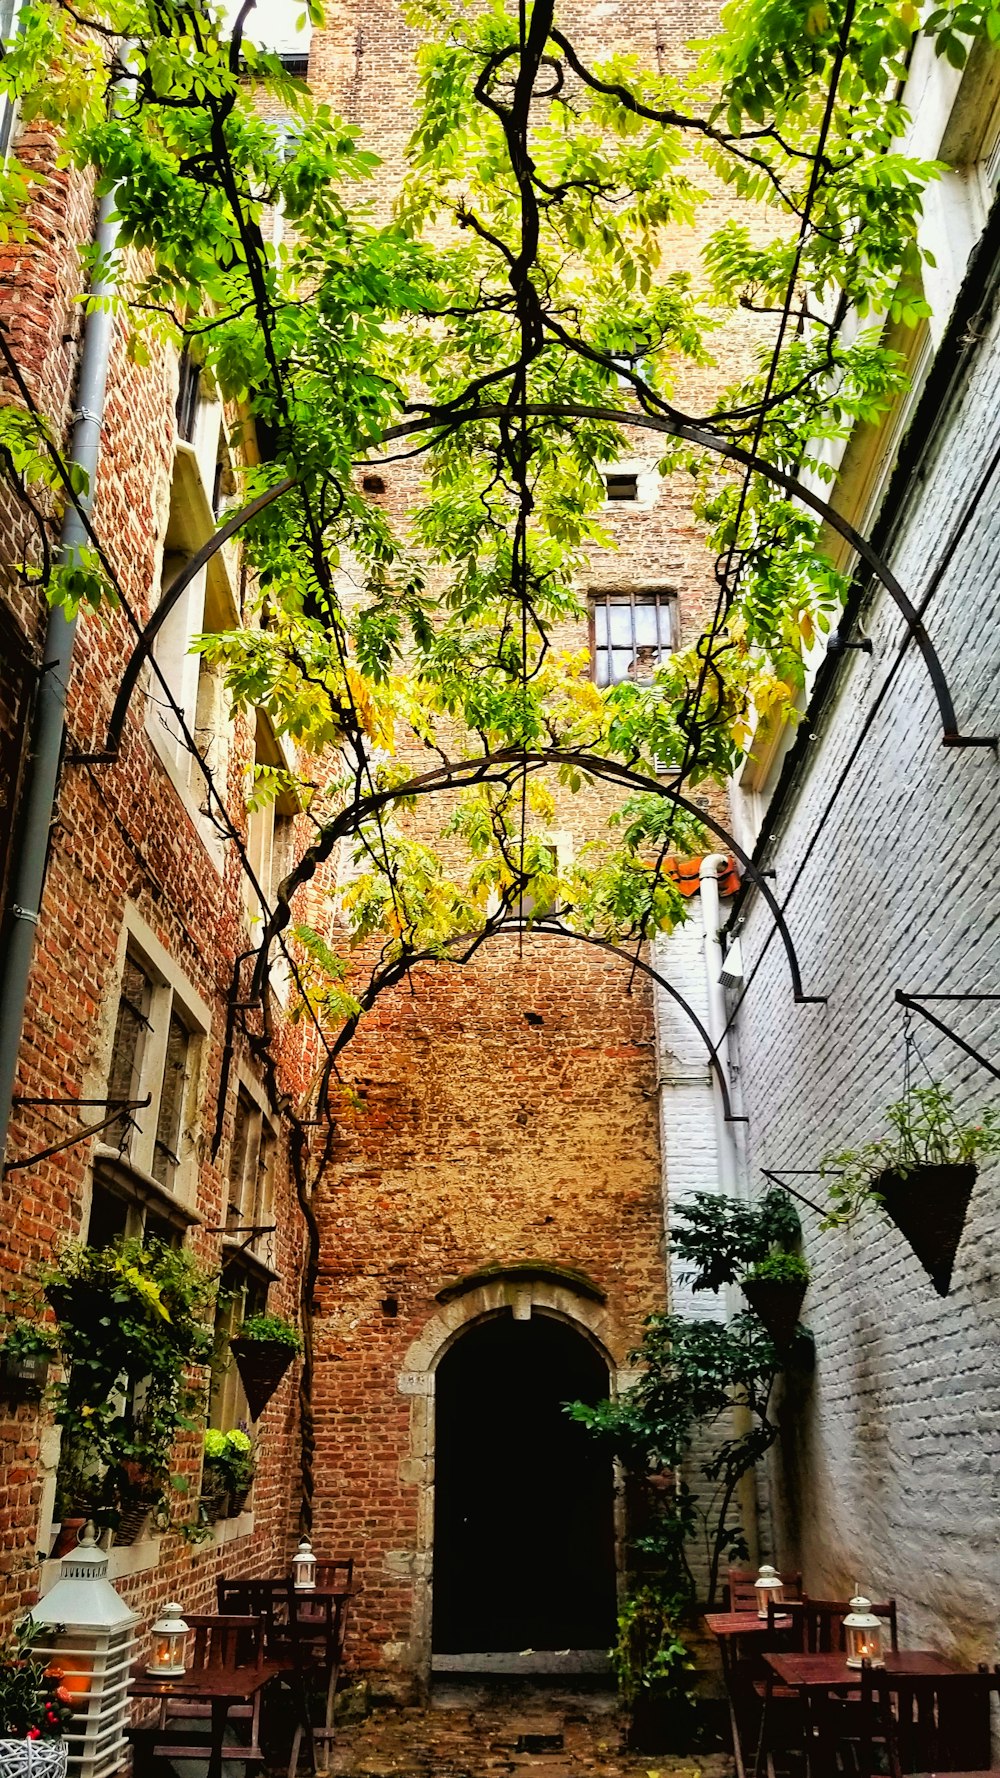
x=169, y=1645
x=863, y=1634
x=768, y=1585
x=304, y=1568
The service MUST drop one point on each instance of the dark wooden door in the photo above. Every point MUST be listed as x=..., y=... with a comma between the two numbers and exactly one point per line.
x=523, y=1528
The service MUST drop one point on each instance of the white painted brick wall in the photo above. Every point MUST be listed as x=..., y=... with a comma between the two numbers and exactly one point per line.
x=891, y=1456
x=688, y=1137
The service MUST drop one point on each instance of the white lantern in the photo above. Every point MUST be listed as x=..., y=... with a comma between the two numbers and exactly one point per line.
x=88, y=1632
x=863, y=1634
x=768, y=1585
x=304, y=1568
x=170, y=1634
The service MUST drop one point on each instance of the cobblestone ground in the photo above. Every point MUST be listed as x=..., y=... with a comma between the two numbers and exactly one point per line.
x=501, y=1728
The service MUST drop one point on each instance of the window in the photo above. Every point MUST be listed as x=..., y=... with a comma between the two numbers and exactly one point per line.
x=251, y=1178
x=144, y=1160
x=197, y=700
x=622, y=486
x=247, y=1248
x=188, y=389
x=631, y=633
x=270, y=830
x=9, y=10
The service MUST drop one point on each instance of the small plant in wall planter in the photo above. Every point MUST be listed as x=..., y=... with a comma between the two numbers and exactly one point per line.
x=26, y=1353
x=230, y=1467
x=775, y=1287
x=264, y=1348
x=921, y=1175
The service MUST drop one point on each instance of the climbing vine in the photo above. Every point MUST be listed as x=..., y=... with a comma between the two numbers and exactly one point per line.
x=517, y=313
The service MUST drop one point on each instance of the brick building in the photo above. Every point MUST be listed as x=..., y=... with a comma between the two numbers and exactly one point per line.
x=491, y=1223
x=496, y=1208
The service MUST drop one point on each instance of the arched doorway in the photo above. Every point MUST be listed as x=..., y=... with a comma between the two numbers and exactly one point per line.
x=524, y=1551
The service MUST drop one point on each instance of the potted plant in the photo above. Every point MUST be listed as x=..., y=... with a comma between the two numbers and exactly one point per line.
x=264, y=1349
x=229, y=1469
x=774, y=1287
x=214, y=1481
x=26, y=1353
x=655, y=1672
x=921, y=1175
x=34, y=1709
x=132, y=1320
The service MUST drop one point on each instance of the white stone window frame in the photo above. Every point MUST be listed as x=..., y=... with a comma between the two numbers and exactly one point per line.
x=647, y=483
x=262, y=827
x=260, y=1251
x=136, y=1185
x=9, y=108
x=208, y=602
x=563, y=844
x=171, y=989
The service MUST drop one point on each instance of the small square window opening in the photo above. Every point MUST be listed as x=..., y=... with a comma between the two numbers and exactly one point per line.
x=622, y=486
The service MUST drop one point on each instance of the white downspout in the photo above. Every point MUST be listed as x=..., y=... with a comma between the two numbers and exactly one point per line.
x=725, y=1134
x=708, y=878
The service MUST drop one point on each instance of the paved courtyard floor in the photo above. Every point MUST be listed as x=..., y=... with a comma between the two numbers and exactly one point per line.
x=507, y=1727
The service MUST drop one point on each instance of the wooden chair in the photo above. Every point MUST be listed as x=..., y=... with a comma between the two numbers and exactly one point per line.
x=321, y=1632
x=929, y=1724
x=273, y=1603
x=336, y=1576
x=222, y=1642
x=742, y=1596
x=824, y=1623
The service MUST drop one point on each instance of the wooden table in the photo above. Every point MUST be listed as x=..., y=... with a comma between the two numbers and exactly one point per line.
x=815, y=1676
x=730, y=1628
x=219, y=1687
x=830, y=1672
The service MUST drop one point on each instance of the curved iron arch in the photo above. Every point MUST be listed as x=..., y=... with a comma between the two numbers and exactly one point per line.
x=486, y=768
x=751, y=460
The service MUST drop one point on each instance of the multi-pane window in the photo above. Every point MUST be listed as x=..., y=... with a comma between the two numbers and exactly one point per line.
x=251, y=1174
x=154, y=1053
x=9, y=10
x=632, y=632
x=188, y=393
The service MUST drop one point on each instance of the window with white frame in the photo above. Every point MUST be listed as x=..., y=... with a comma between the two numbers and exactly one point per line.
x=630, y=634
x=247, y=1248
x=144, y=1163
x=9, y=10
x=270, y=830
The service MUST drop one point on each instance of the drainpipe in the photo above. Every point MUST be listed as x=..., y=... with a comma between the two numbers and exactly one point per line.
x=41, y=791
x=725, y=1135
x=712, y=868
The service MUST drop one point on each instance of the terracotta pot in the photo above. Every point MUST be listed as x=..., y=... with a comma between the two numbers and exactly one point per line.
x=261, y=1364
x=928, y=1206
x=70, y=1531
x=777, y=1305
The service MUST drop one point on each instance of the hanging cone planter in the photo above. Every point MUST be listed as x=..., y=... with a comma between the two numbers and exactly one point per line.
x=261, y=1364
x=777, y=1305
x=928, y=1205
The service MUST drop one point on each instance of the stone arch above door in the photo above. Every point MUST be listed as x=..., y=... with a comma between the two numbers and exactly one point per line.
x=523, y=1290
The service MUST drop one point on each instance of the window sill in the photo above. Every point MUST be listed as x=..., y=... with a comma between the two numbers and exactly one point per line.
x=234, y=1252
x=123, y=1560
x=142, y=1188
x=231, y=1530
x=165, y=749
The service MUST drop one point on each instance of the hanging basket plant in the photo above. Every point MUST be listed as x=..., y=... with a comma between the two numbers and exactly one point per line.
x=775, y=1290
x=264, y=1349
x=921, y=1175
